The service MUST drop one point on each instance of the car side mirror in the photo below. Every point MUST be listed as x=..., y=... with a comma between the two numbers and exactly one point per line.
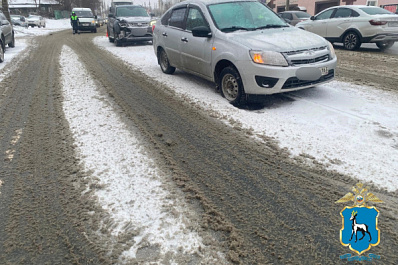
x=5, y=22
x=312, y=18
x=201, y=31
x=152, y=14
x=95, y=17
x=111, y=15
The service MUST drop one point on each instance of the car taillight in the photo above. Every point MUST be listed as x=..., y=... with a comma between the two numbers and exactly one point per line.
x=153, y=27
x=377, y=22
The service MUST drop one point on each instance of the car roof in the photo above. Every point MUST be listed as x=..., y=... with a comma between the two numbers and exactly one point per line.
x=293, y=11
x=118, y=6
x=210, y=2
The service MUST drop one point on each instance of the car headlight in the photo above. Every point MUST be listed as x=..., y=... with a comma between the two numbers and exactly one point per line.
x=93, y=21
x=123, y=24
x=268, y=58
x=332, y=52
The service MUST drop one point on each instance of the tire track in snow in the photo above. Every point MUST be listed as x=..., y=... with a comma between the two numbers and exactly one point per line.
x=126, y=181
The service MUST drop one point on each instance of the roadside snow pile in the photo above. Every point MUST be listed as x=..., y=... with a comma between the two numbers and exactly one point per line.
x=133, y=189
x=52, y=25
x=347, y=128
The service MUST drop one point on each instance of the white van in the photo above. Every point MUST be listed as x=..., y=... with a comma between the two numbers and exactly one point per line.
x=87, y=21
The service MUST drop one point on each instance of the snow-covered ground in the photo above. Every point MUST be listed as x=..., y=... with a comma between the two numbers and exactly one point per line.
x=348, y=128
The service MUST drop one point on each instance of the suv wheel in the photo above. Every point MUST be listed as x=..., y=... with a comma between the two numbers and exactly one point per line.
x=1, y=52
x=164, y=63
x=383, y=45
x=231, y=86
x=351, y=41
x=12, y=43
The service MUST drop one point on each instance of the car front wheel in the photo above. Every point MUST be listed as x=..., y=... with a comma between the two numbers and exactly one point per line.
x=12, y=43
x=231, y=86
x=383, y=45
x=351, y=41
x=164, y=63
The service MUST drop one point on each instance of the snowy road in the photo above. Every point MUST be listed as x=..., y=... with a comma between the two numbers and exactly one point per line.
x=105, y=163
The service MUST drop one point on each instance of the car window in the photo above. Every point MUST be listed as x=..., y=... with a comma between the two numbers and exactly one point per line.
x=289, y=16
x=165, y=18
x=375, y=11
x=177, y=18
x=2, y=16
x=195, y=19
x=324, y=15
x=342, y=12
x=131, y=11
x=233, y=16
x=303, y=15
x=84, y=13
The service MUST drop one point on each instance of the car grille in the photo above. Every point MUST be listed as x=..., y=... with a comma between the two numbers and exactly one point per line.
x=135, y=24
x=308, y=56
x=320, y=59
x=294, y=82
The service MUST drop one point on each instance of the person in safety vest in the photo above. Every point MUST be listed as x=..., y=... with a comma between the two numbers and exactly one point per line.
x=74, y=20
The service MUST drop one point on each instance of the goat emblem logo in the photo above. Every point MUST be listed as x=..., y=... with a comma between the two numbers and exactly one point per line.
x=360, y=222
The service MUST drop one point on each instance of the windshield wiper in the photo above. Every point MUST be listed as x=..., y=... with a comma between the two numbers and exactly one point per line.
x=234, y=28
x=271, y=26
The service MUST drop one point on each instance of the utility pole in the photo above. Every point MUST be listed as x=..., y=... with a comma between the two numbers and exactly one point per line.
x=287, y=5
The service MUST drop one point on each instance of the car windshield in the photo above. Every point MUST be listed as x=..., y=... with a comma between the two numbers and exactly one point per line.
x=131, y=11
x=375, y=11
x=234, y=16
x=84, y=14
x=303, y=15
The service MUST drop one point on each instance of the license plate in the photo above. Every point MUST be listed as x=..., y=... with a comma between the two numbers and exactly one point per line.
x=393, y=24
x=86, y=24
x=324, y=70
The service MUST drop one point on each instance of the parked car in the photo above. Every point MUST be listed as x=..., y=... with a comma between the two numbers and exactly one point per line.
x=294, y=17
x=100, y=21
x=242, y=46
x=355, y=24
x=129, y=23
x=6, y=35
x=36, y=21
x=18, y=20
x=87, y=21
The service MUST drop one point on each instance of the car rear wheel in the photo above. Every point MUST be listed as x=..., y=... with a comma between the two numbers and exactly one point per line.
x=12, y=43
x=351, y=41
x=231, y=86
x=164, y=63
x=383, y=45
x=1, y=52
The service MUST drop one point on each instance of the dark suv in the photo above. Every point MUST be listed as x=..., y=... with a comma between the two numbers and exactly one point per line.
x=7, y=35
x=129, y=23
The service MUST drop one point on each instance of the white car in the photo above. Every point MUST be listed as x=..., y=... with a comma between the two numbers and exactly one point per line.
x=36, y=21
x=355, y=24
x=242, y=46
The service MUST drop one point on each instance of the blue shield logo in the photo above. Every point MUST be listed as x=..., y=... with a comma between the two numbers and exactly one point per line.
x=360, y=231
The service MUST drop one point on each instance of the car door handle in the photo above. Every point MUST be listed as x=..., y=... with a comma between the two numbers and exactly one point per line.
x=164, y=34
x=184, y=39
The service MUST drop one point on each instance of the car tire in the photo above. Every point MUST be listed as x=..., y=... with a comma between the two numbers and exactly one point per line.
x=231, y=86
x=95, y=30
x=12, y=43
x=1, y=52
x=164, y=63
x=351, y=41
x=384, y=45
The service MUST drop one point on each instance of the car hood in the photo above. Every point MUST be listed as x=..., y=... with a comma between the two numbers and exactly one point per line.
x=134, y=19
x=280, y=40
